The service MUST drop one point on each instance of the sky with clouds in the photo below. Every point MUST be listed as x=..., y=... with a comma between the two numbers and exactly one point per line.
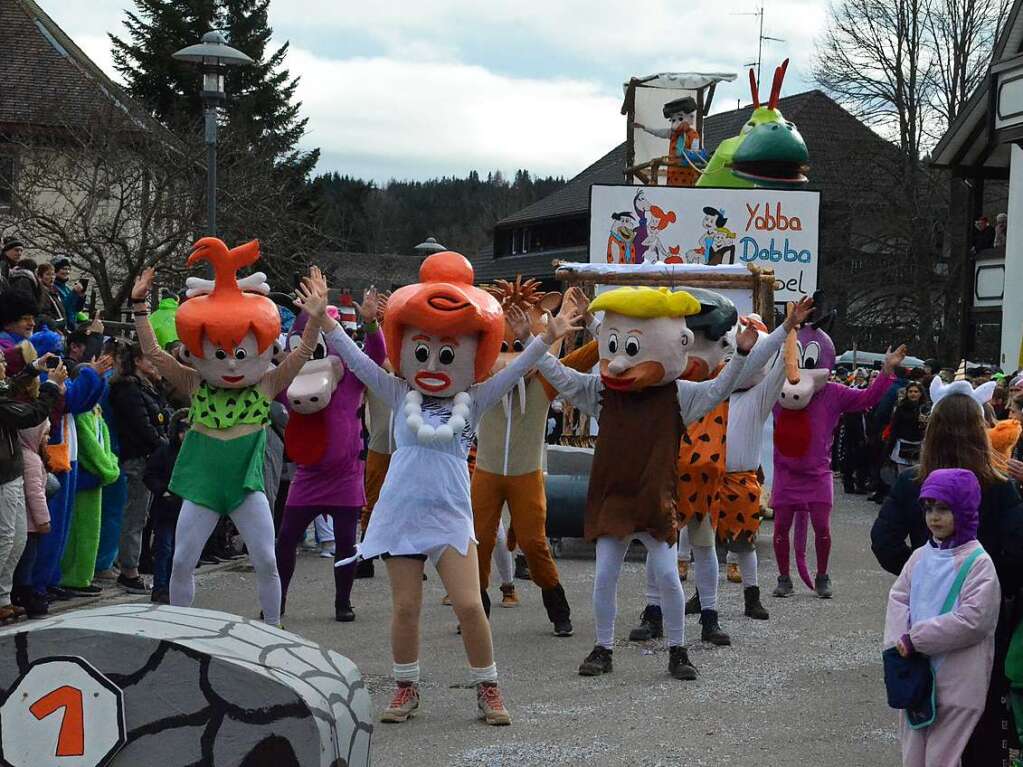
x=425, y=88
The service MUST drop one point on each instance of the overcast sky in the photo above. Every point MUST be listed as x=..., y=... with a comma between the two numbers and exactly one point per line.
x=424, y=88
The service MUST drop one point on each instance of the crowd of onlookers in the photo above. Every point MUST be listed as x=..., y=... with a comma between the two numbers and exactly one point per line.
x=90, y=434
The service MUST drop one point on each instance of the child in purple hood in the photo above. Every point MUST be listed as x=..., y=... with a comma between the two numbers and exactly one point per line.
x=960, y=642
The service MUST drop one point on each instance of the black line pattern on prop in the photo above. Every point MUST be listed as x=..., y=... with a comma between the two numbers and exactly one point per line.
x=21, y=651
x=151, y=664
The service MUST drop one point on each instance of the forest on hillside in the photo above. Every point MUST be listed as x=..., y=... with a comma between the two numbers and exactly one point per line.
x=359, y=216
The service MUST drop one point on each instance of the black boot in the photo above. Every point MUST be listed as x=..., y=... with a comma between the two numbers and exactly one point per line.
x=598, y=662
x=364, y=568
x=344, y=613
x=693, y=604
x=522, y=568
x=651, y=625
x=558, y=611
x=711, y=631
x=679, y=665
x=754, y=609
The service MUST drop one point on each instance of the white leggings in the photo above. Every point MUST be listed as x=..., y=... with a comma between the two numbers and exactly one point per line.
x=255, y=523
x=503, y=560
x=705, y=571
x=661, y=561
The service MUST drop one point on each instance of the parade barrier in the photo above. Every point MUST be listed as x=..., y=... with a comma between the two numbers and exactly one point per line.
x=140, y=684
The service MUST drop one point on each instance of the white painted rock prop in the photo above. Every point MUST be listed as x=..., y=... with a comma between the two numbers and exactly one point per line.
x=134, y=684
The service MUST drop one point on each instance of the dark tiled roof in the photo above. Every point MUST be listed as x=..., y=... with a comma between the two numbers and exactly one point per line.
x=487, y=268
x=842, y=152
x=47, y=80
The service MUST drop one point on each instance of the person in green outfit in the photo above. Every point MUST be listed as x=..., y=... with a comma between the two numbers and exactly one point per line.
x=97, y=468
x=229, y=332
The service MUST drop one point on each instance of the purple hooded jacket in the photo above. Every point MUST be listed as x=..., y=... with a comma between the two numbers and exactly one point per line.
x=959, y=489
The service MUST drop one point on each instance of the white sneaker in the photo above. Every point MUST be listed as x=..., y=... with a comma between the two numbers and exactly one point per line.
x=327, y=553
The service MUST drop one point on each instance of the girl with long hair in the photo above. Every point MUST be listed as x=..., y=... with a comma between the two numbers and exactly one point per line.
x=957, y=438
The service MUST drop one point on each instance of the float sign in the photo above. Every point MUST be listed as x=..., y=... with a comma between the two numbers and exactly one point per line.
x=661, y=225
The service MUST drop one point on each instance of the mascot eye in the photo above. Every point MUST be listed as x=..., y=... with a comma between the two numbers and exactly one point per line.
x=632, y=346
x=612, y=343
x=504, y=347
x=319, y=352
x=811, y=355
x=422, y=352
x=446, y=356
x=220, y=354
x=240, y=354
x=517, y=346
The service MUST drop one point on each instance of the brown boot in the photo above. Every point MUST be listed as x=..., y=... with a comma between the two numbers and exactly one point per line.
x=491, y=705
x=508, y=596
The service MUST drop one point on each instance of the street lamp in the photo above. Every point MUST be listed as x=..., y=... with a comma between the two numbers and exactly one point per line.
x=214, y=55
x=429, y=246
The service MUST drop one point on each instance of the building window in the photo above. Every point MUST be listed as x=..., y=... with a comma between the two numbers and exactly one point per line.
x=525, y=240
x=6, y=181
x=516, y=241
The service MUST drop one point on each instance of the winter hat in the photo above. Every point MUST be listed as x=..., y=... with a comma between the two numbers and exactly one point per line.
x=15, y=304
x=60, y=263
x=47, y=341
x=960, y=489
x=11, y=242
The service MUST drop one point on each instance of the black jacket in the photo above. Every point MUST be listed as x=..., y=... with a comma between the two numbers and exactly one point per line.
x=15, y=415
x=139, y=417
x=1000, y=531
x=157, y=476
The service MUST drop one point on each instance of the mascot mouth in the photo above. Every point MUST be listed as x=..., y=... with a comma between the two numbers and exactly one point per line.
x=781, y=173
x=232, y=379
x=432, y=382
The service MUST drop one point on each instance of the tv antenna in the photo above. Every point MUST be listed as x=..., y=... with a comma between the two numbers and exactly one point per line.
x=761, y=37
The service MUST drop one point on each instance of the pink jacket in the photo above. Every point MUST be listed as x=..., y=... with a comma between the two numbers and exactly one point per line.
x=961, y=643
x=35, y=476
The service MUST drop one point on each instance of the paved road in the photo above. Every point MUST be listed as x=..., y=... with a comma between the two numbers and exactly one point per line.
x=804, y=688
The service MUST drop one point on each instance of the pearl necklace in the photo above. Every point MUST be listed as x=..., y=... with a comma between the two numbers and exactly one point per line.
x=426, y=433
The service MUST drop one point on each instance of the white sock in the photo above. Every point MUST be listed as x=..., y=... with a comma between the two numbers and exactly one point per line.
x=406, y=672
x=705, y=565
x=488, y=674
x=732, y=558
x=748, y=565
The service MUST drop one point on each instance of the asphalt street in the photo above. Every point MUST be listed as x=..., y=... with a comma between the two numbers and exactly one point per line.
x=804, y=688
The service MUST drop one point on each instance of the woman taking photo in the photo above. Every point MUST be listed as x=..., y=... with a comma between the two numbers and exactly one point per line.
x=956, y=438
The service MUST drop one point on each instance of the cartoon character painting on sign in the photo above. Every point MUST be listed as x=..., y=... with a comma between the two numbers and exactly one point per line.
x=621, y=242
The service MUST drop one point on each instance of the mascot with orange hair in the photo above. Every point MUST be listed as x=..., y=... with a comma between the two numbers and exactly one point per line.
x=229, y=329
x=443, y=336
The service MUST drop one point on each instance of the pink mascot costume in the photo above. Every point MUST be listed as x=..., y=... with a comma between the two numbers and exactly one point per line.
x=804, y=424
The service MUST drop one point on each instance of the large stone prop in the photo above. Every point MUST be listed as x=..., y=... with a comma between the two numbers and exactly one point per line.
x=133, y=684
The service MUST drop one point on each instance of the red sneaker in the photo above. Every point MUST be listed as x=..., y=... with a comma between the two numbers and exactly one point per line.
x=491, y=705
x=404, y=705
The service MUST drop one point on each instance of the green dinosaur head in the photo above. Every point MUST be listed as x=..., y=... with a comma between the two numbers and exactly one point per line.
x=767, y=153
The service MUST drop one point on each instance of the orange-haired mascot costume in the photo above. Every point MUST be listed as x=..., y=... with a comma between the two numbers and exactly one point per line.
x=510, y=453
x=443, y=336
x=230, y=336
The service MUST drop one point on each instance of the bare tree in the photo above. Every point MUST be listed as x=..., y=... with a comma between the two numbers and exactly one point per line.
x=961, y=36
x=112, y=197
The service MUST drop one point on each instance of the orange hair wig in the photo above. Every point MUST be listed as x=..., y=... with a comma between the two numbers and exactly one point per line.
x=446, y=302
x=226, y=315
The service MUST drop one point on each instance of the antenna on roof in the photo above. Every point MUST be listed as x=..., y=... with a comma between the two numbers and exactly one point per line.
x=760, y=38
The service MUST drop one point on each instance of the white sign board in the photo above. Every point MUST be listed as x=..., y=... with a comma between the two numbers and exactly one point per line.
x=661, y=225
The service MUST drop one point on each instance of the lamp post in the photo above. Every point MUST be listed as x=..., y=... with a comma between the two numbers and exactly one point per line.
x=429, y=246
x=214, y=55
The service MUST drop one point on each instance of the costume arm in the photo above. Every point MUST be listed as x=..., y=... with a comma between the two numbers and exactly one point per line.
x=387, y=387
x=857, y=400
x=696, y=399
x=769, y=389
x=486, y=394
x=581, y=389
x=896, y=621
x=182, y=378
x=83, y=393
x=277, y=379
x=891, y=528
x=94, y=457
x=582, y=359
x=375, y=348
x=970, y=621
